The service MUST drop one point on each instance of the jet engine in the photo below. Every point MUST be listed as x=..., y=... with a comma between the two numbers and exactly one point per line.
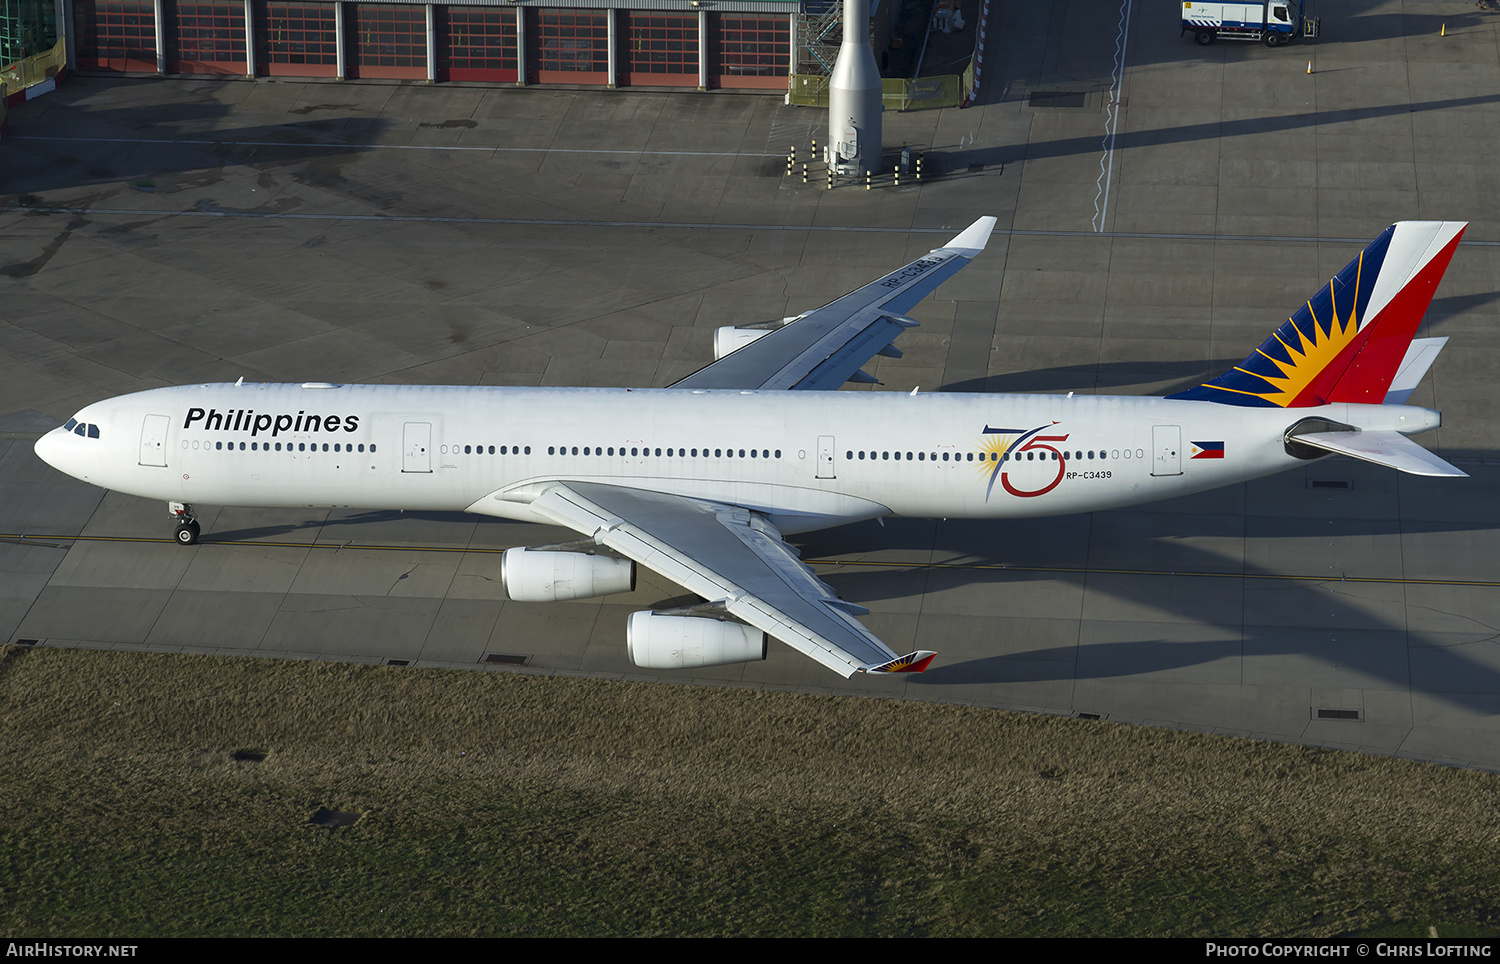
x=732, y=338
x=657, y=641
x=539, y=575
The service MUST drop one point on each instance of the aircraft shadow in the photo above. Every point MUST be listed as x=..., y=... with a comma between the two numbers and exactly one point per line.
x=1452, y=665
x=181, y=148
x=945, y=161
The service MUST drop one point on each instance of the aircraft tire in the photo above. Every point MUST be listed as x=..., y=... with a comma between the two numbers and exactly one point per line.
x=187, y=533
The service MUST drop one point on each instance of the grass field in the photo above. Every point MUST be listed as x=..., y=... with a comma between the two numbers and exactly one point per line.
x=499, y=804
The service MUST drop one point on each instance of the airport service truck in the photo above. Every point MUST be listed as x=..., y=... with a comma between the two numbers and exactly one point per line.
x=1273, y=22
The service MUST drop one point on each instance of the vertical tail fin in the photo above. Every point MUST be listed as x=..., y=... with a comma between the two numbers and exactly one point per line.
x=1346, y=343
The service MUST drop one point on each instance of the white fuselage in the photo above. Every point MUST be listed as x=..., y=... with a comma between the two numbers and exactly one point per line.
x=810, y=460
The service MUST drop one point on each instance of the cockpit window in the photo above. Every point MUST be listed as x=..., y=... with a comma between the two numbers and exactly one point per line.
x=81, y=429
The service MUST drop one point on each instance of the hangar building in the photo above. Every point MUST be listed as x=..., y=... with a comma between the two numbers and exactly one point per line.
x=660, y=43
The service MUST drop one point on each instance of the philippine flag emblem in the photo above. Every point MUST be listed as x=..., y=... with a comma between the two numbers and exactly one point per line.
x=1208, y=450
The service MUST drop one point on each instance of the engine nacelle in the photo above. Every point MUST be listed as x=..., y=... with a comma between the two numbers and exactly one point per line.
x=539, y=575
x=732, y=339
x=687, y=642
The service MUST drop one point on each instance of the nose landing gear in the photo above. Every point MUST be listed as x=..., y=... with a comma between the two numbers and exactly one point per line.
x=187, y=526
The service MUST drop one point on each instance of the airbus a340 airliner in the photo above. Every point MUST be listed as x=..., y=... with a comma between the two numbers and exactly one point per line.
x=699, y=482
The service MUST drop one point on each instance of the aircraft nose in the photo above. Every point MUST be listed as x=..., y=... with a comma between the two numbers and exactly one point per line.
x=49, y=448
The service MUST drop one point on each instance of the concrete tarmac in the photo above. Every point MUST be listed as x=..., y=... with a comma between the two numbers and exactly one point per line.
x=158, y=232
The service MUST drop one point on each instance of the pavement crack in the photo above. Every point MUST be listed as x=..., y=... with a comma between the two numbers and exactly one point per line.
x=1494, y=630
x=404, y=575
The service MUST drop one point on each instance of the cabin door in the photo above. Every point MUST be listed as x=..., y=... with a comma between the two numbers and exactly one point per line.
x=154, y=440
x=416, y=447
x=1166, y=448
x=825, y=457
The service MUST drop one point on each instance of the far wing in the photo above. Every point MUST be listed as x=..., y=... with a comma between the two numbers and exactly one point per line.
x=824, y=348
x=730, y=556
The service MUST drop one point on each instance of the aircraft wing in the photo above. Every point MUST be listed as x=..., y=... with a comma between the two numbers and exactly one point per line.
x=732, y=557
x=826, y=347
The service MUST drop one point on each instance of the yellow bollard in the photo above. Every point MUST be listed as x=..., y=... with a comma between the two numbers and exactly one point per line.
x=804, y=173
x=867, y=180
x=1444, y=31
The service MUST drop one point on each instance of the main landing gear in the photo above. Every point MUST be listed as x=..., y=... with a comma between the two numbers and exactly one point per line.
x=187, y=526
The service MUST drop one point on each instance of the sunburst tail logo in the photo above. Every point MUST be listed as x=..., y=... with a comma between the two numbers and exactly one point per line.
x=1303, y=359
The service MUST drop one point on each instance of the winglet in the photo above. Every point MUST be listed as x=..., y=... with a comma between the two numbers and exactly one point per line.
x=910, y=663
x=973, y=238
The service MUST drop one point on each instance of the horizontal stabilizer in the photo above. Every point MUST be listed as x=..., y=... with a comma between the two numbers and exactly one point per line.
x=1391, y=449
x=1419, y=357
